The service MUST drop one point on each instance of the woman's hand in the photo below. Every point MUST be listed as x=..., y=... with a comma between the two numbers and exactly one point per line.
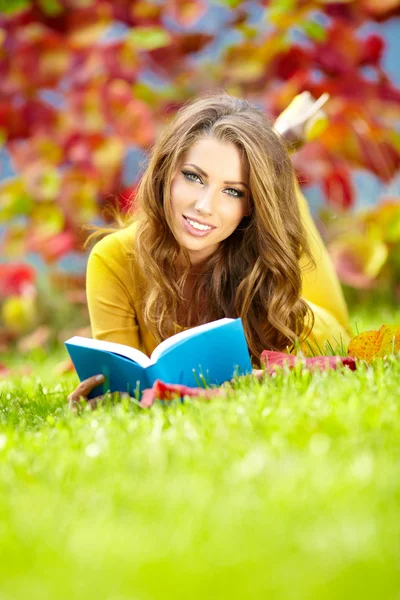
x=82, y=391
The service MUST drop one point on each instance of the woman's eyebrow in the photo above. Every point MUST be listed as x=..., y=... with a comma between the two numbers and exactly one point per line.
x=205, y=174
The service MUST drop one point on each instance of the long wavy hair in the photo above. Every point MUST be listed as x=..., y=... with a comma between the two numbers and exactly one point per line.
x=255, y=273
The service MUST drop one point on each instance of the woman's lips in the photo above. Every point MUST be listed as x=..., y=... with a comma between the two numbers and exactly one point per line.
x=193, y=231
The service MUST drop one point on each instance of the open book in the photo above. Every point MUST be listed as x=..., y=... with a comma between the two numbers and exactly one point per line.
x=205, y=355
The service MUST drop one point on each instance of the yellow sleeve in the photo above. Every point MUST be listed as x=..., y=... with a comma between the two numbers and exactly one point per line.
x=111, y=310
x=322, y=290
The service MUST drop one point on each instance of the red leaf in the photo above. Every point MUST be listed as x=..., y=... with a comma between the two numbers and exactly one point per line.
x=127, y=199
x=380, y=10
x=331, y=61
x=380, y=157
x=338, y=188
x=273, y=360
x=14, y=278
x=169, y=391
x=340, y=10
x=172, y=58
x=288, y=64
x=338, y=55
x=186, y=12
x=4, y=371
x=54, y=247
x=372, y=50
x=65, y=366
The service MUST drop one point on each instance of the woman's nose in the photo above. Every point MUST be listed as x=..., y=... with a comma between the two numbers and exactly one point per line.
x=204, y=204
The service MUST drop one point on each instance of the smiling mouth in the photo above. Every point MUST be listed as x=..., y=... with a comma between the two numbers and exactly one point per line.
x=198, y=225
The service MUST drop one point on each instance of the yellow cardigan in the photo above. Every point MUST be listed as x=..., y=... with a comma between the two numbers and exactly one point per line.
x=114, y=287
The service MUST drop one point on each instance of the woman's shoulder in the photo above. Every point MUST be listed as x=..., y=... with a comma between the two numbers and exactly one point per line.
x=113, y=257
x=117, y=243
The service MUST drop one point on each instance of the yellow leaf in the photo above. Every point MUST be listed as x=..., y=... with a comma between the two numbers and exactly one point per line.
x=109, y=155
x=47, y=219
x=87, y=35
x=14, y=241
x=149, y=38
x=376, y=343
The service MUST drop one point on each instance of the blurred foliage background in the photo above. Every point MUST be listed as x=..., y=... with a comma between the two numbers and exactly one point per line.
x=86, y=85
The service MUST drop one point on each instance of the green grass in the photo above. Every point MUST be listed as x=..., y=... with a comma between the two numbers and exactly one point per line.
x=288, y=489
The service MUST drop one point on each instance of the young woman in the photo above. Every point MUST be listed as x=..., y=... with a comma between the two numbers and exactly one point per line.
x=220, y=229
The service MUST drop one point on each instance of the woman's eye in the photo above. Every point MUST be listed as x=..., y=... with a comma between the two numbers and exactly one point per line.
x=189, y=174
x=237, y=194
x=194, y=177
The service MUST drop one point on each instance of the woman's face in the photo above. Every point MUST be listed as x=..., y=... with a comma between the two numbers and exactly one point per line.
x=209, y=196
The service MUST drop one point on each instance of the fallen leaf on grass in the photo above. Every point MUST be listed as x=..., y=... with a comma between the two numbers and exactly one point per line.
x=7, y=338
x=6, y=372
x=39, y=337
x=273, y=360
x=170, y=391
x=376, y=343
x=65, y=366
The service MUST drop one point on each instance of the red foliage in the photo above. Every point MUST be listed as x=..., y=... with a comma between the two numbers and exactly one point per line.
x=127, y=198
x=338, y=55
x=169, y=59
x=380, y=157
x=289, y=63
x=372, y=50
x=54, y=247
x=338, y=188
x=15, y=277
x=105, y=105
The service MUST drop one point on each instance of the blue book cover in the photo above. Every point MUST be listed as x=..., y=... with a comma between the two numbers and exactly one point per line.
x=205, y=355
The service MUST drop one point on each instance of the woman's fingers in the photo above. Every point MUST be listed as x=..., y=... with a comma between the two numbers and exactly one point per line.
x=85, y=387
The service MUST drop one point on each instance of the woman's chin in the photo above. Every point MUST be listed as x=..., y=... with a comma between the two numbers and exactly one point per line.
x=199, y=252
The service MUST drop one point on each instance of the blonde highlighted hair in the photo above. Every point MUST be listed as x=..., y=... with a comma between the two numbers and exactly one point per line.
x=255, y=273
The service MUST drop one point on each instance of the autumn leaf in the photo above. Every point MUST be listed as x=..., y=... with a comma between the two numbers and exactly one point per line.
x=37, y=339
x=53, y=247
x=168, y=391
x=358, y=259
x=338, y=187
x=372, y=50
x=186, y=12
x=149, y=38
x=386, y=218
x=273, y=360
x=375, y=343
x=65, y=366
x=15, y=278
x=4, y=371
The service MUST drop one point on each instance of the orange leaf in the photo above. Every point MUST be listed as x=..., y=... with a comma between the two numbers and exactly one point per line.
x=376, y=343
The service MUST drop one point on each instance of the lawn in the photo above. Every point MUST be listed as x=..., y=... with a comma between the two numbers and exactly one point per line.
x=288, y=489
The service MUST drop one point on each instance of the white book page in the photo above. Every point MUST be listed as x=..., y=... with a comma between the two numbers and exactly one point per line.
x=133, y=353
x=178, y=337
